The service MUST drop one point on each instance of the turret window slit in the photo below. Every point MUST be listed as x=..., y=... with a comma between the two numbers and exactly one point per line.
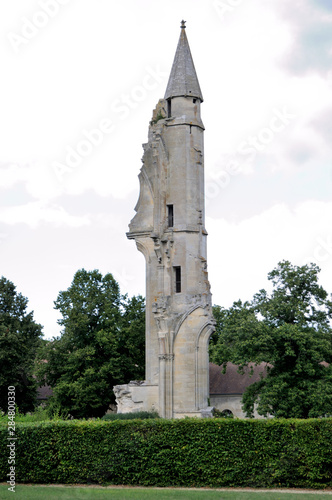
x=177, y=272
x=170, y=216
x=169, y=108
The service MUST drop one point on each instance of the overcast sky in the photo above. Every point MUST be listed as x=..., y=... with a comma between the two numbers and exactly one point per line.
x=80, y=79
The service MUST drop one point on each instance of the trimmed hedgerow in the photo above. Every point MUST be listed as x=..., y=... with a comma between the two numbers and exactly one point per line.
x=187, y=452
x=131, y=416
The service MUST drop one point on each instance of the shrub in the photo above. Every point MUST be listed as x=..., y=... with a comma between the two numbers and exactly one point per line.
x=40, y=414
x=222, y=413
x=130, y=416
x=185, y=452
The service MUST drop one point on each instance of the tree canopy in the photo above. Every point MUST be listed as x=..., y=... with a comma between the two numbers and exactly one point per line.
x=290, y=329
x=102, y=344
x=20, y=337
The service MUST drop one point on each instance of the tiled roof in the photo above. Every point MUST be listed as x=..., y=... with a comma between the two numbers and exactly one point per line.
x=233, y=382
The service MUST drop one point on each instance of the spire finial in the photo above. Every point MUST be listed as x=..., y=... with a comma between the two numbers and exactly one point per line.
x=183, y=80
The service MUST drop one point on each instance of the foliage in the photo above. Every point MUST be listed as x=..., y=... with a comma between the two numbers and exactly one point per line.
x=179, y=452
x=222, y=413
x=130, y=416
x=102, y=344
x=160, y=116
x=20, y=337
x=290, y=330
x=40, y=414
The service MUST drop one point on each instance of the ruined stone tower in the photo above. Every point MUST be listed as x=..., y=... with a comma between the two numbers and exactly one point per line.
x=169, y=229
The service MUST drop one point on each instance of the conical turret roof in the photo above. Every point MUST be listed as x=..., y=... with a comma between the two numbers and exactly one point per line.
x=183, y=80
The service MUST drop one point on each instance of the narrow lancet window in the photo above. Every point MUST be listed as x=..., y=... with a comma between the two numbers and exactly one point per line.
x=169, y=108
x=170, y=216
x=177, y=272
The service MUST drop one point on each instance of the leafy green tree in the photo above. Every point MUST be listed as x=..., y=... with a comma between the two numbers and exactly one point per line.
x=20, y=337
x=132, y=338
x=290, y=329
x=102, y=344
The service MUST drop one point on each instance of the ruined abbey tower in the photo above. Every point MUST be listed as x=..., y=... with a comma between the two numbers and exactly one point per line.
x=169, y=229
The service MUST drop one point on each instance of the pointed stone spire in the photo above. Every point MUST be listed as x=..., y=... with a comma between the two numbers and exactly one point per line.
x=183, y=80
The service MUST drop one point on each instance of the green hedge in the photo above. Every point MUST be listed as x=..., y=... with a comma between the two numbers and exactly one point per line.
x=187, y=452
x=130, y=416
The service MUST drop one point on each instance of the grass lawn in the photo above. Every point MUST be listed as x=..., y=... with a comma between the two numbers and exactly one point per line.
x=68, y=493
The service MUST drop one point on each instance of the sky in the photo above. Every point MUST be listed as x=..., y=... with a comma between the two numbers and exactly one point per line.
x=80, y=79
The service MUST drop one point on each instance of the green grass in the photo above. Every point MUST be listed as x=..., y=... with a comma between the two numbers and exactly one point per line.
x=68, y=493
x=42, y=414
x=39, y=415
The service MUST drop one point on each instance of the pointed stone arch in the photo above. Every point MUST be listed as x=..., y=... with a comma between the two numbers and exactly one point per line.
x=191, y=361
x=202, y=364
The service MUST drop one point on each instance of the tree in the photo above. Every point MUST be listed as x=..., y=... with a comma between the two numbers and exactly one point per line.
x=290, y=329
x=102, y=344
x=132, y=338
x=20, y=337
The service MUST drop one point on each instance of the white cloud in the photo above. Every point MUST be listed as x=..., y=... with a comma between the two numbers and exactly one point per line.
x=38, y=212
x=241, y=255
x=11, y=174
x=39, y=180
